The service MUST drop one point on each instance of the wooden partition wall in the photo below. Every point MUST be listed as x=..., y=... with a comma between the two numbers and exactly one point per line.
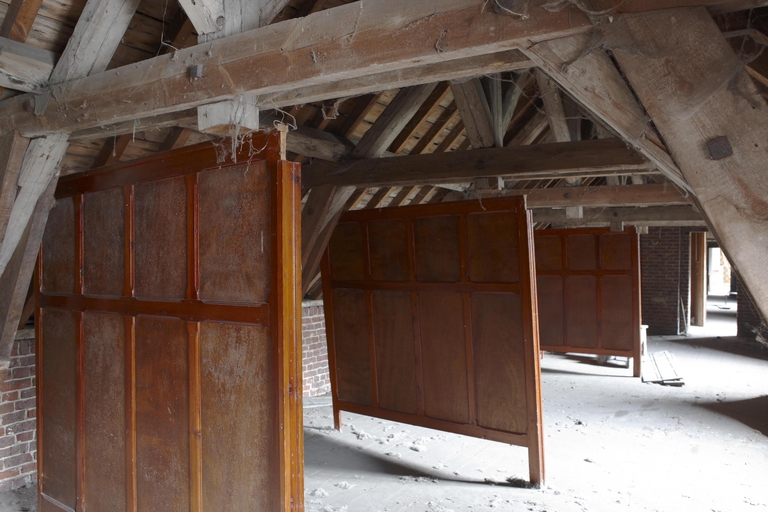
x=431, y=320
x=169, y=372
x=589, y=292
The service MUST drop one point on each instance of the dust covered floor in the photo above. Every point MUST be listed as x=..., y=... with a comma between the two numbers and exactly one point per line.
x=612, y=444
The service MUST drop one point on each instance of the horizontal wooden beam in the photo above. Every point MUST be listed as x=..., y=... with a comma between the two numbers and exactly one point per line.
x=664, y=194
x=321, y=49
x=650, y=216
x=605, y=157
x=24, y=67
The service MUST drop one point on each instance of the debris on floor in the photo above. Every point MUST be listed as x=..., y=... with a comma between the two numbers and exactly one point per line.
x=659, y=368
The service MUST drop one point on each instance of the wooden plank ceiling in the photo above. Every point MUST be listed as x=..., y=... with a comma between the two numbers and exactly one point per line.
x=492, y=104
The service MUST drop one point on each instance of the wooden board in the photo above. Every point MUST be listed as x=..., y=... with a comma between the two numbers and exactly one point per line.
x=431, y=320
x=589, y=292
x=169, y=342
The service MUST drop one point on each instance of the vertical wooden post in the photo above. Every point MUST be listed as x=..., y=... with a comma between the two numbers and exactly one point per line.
x=637, y=309
x=328, y=310
x=531, y=341
x=80, y=349
x=195, y=427
x=698, y=305
x=287, y=198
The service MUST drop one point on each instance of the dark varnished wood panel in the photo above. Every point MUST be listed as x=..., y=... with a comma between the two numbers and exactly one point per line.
x=617, y=327
x=346, y=249
x=581, y=252
x=104, y=242
x=436, y=243
x=551, y=314
x=549, y=253
x=59, y=267
x=239, y=455
x=162, y=415
x=395, y=351
x=58, y=400
x=492, y=245
x=235, y=233
x=104, y=377
x=388, y=244
x=444, y=357
x=499, y=354
x=161, y=238
x=616, y=251
x=581, y=307
x=353, y=356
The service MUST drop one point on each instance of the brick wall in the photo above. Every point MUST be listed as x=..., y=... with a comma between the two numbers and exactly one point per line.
x=18, y=440
x=317, y=380
x=748, y=319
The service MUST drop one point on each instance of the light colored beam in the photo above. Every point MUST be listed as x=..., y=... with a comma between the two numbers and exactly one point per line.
x=650, y=216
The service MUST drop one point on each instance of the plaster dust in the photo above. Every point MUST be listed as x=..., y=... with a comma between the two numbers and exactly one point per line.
x=612, y=443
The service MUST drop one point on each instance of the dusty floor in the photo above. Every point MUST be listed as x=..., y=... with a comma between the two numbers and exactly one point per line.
x=612, y=444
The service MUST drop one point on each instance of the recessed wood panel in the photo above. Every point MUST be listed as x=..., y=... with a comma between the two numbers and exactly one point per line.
x=353, y=355
x=616, y=251
x=499, y=353
x=238, y=420
x=395, y=351
x=617, y=327
x=581, y=252
x=59, y=399
x=59, y=267
x=581, y=311
x=550, y=296
x=104, y=242
x=161, y=239
x=162, y=414
x=346, y=248
x=436, y=241
x=388, y=250
x=492, y=246
x=104, y=419
x=235, y=254
x=549, y=253
x=444, y=356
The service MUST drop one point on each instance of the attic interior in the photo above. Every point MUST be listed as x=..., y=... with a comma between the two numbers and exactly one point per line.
x=450, y=223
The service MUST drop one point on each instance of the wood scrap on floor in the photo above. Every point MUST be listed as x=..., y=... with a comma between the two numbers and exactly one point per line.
x=659, y=368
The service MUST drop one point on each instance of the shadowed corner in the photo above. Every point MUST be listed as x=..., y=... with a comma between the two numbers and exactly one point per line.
x=752, y=412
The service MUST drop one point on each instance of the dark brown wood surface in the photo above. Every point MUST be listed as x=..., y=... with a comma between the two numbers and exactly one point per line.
x=431, y=320
x=589, y=292
x=170, y=362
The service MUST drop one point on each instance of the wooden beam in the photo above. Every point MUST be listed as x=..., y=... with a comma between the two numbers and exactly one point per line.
x=19, y=18
x=650, y=216
x=592, y=79
x=391, y=122
x=14, y=282
x=313, y=217
x=176, y=138
x=584, y=158
x=474, y=111
x=215, y=19
x=402, y=196
x=112, y=150
x=422, y=194
x=40, y=165
x=531, y=131
x=553, y=106
x=510, y=101
x=446, y=117
x=378, y=198
x=98, y=32
x=714, y=121
x=24, y=67
x=362, y=108
x=459, y=69
x=13, y=147
x=320, y=49
x=425, y=110
x=229, y=118
x=606, y=196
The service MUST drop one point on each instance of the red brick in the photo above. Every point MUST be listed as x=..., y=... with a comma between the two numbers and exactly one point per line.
x=10, y=397
x=17, y=460
x=14, y=417
x=25, y=436
x=9, y=473
x=24, y=426
x=29, y=467
x=13, y=385
x=27, y=393
x=20, y=373
x=29, y=403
